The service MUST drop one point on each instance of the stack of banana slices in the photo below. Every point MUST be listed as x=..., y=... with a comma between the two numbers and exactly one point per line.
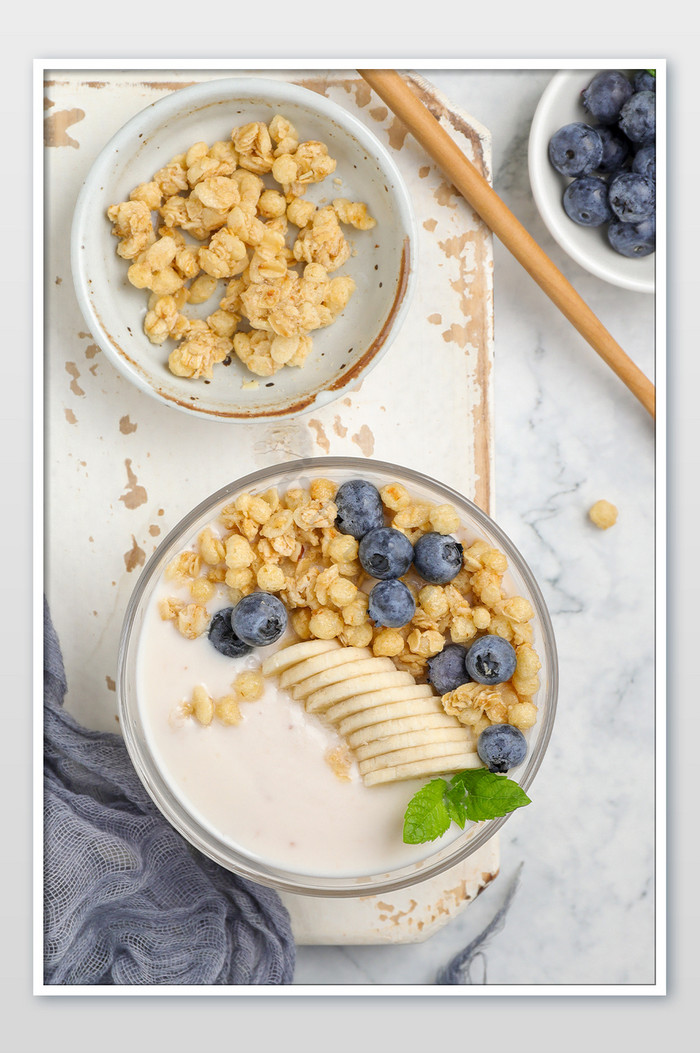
x=396, y=728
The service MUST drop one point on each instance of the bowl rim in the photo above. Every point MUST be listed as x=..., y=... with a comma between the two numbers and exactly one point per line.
x=555, y=219
x=168, y=106
x=167, y=802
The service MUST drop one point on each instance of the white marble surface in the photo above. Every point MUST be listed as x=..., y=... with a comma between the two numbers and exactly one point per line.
x=567, y=433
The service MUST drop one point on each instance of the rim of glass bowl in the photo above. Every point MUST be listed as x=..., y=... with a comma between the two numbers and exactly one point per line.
x=203, y=838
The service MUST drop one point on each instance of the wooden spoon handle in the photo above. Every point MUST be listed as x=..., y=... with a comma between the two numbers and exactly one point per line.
x=398, y=96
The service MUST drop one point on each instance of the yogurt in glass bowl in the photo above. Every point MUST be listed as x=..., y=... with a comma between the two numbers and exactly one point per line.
x=268, y=784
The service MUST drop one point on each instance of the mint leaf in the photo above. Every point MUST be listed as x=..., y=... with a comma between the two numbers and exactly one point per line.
x=652, y=71
x=489, y=795
x=426, y=816
x=456, y=803
x=474, y=794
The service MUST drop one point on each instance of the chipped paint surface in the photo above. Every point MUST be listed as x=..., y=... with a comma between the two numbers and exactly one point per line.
x=135, y=557
x=73, y=371
x=364, y=438
x=125, y=425
x=321, y=437
x=135, y=495
x=56, y=127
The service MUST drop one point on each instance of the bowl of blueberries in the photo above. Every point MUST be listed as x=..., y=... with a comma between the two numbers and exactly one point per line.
x=592, y=167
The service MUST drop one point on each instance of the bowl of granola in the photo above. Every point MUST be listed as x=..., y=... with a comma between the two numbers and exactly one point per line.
x=318, y=649
x=244, y=249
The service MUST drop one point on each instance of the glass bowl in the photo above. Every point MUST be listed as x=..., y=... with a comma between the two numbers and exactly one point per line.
x=188, y=820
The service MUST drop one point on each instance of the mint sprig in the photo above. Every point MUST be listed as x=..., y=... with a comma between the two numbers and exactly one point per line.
x=475, y=794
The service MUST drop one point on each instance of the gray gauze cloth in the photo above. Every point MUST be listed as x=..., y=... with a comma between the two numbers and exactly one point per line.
x=126, y=899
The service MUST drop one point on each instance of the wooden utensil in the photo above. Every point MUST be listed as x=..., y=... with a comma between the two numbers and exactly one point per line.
x=396, y=93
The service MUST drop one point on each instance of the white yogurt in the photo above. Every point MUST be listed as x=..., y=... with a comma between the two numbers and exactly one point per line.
x=264, y=785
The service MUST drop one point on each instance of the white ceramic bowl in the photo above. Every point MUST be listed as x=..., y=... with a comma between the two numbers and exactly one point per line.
x=382, y=263
x=560, y=104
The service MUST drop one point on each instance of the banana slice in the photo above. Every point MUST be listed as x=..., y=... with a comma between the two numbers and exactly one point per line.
x=288, y=656
x=317, y=663
x=390, y=743
x=320, y=701
x=419, y=722
x=371, y=699
x=397, y=727
x=411, y=707
x=334, y=675
x=434, y=751
x=414, y=769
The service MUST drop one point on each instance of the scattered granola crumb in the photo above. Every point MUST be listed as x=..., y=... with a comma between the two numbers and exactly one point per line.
x=249, y=685
x=202, y=705
x=340, y=762
x=603, y=514
x=227, y=711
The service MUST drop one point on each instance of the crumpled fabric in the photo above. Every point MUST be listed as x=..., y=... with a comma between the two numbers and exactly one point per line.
x=126, y=899
x=458, y=970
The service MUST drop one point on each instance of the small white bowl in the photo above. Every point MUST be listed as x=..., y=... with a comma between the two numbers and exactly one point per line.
x=560, y=104
x=382, y=262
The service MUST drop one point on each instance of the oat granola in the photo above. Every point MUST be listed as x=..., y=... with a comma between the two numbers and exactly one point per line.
x=218, y=220
x=603, y=514
x=287, y=544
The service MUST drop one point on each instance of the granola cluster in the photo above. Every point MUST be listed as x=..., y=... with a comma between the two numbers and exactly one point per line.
x=603, y=514
x=288, y=544
x=216, y=220
x=247, y=687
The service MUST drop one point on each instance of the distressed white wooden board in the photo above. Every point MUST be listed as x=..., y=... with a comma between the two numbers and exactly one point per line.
x=409, y=915
x=122, y=470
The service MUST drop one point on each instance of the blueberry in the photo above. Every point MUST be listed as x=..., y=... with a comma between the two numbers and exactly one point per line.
x=632, y=196
x=446, y=670
x=633, y=239
x=638, y=117
x=391, y=604
x=586, y=201
x=223, y=638
x=643, y=80
x=644, y=161
x=501, y=746
x=359, y=508
x=616, y=149
x=605, y=95
x=437, y=557
x=385, y=553
x=259, y=619
x=490, y=660
x=575, y=149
